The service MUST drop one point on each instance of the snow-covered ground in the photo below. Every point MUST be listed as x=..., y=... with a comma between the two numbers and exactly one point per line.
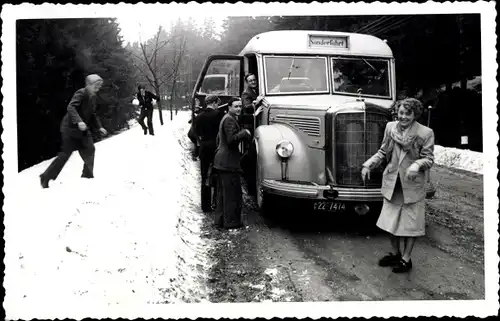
x=132, y=235
x=459, y=158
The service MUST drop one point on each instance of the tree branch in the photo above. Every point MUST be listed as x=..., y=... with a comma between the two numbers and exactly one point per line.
x=138, y=57
x=141, y=69
x=148, y=61
x=150, y=81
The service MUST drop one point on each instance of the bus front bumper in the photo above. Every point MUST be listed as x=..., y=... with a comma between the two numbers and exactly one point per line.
x=317, y=192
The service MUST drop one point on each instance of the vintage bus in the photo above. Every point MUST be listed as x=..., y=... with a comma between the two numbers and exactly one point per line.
x=327, y=99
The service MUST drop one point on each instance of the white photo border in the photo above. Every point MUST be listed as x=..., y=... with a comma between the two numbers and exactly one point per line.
x=479, y=308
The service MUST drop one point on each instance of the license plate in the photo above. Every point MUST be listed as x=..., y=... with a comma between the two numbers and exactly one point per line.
x=329, y=206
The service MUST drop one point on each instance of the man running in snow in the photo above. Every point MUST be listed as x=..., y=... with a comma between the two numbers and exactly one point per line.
x=75, y=131
x=146, y=102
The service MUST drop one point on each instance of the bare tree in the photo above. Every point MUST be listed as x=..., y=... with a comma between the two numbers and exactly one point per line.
x=158, y=64
x=179, y=52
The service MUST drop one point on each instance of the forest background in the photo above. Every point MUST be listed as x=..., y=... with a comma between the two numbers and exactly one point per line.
x=438, y=60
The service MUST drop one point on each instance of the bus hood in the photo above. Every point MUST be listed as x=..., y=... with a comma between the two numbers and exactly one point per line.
x=320, y=102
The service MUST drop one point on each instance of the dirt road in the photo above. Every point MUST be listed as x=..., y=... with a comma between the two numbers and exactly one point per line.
x=320, y=258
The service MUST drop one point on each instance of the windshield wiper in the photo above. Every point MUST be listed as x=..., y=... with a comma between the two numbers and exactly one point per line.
x=290, y=70
x=371, y=66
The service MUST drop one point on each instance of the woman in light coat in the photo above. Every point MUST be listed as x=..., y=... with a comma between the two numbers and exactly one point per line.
x=408, y=151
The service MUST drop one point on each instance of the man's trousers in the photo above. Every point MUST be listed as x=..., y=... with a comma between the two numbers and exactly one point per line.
x=83, y=144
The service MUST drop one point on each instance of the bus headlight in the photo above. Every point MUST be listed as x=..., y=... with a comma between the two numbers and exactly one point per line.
x=284, y=149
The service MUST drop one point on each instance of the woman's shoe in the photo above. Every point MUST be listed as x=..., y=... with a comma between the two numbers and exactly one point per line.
x=402, y=266
x=390, y=260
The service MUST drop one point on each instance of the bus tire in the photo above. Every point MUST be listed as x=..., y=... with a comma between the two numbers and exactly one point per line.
x=265, y=201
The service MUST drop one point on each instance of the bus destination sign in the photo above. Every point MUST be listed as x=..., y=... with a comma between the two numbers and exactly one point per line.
x=320, y=41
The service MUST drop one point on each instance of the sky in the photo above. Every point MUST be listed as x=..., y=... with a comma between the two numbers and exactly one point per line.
x=143, y=26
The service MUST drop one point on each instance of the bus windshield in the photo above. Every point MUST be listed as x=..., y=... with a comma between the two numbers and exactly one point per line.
x=293, y=74
x=361, y=76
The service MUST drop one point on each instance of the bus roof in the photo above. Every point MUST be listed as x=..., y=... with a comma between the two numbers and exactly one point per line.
x=317, y=42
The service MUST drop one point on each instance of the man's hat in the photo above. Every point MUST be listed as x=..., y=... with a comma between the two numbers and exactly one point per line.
x=210, y=99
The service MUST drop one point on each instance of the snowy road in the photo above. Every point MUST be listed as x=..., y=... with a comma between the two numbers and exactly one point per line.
x=131, y=235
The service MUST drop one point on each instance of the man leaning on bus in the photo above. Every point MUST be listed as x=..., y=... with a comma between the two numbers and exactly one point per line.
x=250, y=99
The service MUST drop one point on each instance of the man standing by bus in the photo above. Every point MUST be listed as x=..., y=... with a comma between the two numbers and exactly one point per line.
x=251, y=101
x=191, y=133
x=146, y=102
x=206, y=128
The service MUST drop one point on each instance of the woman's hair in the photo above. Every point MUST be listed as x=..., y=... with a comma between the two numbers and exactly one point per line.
x=248, y=75
x=411, y=104
x=141, y=87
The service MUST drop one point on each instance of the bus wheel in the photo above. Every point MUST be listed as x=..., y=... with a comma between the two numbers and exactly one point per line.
x=264, y=200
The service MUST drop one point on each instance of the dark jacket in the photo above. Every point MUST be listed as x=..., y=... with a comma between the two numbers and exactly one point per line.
x=146, y=101
x=247, y=98
x=192, y=133
x=81, y=108
x=227, y=157
x=206, y=125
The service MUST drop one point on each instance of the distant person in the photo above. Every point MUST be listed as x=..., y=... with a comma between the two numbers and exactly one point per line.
x=408, y=151
x=227, y=164
x=75, y=131
x=146, y=102
x=206, y=127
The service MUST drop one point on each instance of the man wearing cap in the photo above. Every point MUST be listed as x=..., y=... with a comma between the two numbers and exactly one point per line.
x=146, y=102
x=206, y=128
x=75, y=131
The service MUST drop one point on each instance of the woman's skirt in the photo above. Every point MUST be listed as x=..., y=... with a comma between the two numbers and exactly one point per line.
x=402, y=219
x=229, y=199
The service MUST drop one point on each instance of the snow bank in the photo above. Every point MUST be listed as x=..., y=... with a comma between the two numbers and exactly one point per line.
x=132, y=235
x=459, y=158
x=132, y=122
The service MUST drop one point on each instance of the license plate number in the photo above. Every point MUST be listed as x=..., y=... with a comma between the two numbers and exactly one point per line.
x=329, y=206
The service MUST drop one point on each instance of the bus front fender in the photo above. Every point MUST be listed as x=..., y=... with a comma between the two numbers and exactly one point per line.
x=270, y=165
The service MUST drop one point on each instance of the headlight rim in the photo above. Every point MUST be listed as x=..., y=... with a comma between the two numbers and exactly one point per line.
x=278, y=149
